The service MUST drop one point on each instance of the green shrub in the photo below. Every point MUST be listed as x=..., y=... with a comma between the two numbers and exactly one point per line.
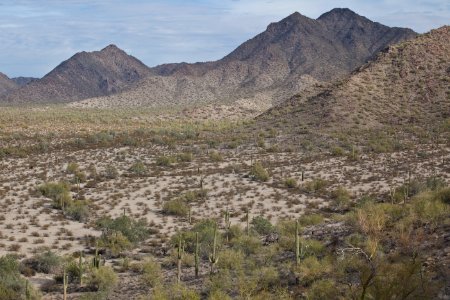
x=151, y=272
x=262, y=226
x=72, y=168
x=78, y=210
x=313, y=219
x=317, y=185
x=102, y=279
x=341, y=197
x=231, y=259
x=58, y=192
x=337, y=151
x=46, y=262
x=176, y=207
x=134, y=230
x=258, y=172
x=111, y=172
x=138, y=168
x=322, y=289
x=185, y=157
x=215, y=156
x=290, y=183
x=12, y=285
x=165, y=161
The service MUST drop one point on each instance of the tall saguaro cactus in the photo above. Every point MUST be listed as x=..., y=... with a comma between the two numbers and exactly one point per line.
x=65, y=282
x=297, y=244
x=80, y=267
x=196, y=255
x=213, y=258
x=179, y=258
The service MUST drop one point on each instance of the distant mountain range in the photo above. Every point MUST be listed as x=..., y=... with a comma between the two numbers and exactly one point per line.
x=82, y=76
x=407, y=84
x=6, y=85
x=290, y=56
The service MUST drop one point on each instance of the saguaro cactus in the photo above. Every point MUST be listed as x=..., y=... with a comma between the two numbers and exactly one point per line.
x=65, y=282
x=80, y=267
x=248, y=221
x=96, y=259
x=213, y=258
x=297, y=244
x=179, y=257
x=196, y=255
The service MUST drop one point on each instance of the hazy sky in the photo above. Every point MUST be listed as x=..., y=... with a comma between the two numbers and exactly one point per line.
x=36, y=35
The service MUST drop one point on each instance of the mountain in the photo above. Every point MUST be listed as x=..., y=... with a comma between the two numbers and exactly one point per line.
x=407, y=84
x=283, y=60
x=21, y=81
x=6, y=85
x=84, y=75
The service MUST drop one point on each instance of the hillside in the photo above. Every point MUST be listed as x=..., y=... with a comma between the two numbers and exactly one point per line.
x=283, y=60
x=407, y=84
x=6, y=85
x=84, y=75
x=21, y=81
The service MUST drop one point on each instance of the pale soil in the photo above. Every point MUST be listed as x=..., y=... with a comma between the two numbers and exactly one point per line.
x=29, y=220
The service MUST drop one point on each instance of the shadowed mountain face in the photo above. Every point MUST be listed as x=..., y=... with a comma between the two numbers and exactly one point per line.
x=283, y=60
x=22, y=81
x=84, y=75
x=6, y=85
x=407, y=84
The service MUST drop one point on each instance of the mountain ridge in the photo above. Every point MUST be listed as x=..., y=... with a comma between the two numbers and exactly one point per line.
x=268, y=68
x=84, y=75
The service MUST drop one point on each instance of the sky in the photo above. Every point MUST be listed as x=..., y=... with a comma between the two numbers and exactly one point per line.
x=37, y=35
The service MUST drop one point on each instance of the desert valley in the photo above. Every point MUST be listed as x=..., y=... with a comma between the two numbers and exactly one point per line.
x=312, y=162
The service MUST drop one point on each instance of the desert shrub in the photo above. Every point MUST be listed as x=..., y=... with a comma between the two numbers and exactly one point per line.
x=116, y=243
x=192, y=196
x=311, y=269
x=46, y=262
x=317, y=185
x=435, y=183
x=111, y=172
x=151, y=272
x=176, y=207
x=72, y=168
x=185, y=157
x=429, y=209
x=215, y=156
x=134, y=231
x=79, y=177
x=181, y=292
x=341, y=197
x=247, y=244
x=78, y=210
x=337, y=151
x=322, y=289
x=262, y=226
x=138, y=168
x=268, y=277
x=205, y=229
x=443, y=195
x=165, y=161
x=290, y=183
x=313, y=219
x=258, y=172
x=58, y=192
x=12, y=285
x=231, y=259
x=102, y=279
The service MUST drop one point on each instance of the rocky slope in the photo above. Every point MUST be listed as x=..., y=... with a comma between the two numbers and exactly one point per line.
x=407, y=84
x=21, y=81
x=6, y=85
x=286, y=58
x=84, y=75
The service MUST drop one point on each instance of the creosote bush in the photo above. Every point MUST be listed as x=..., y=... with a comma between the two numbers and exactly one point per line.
x=258, y=172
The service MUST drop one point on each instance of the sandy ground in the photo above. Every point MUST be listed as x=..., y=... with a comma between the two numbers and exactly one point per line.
x=28, y=221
